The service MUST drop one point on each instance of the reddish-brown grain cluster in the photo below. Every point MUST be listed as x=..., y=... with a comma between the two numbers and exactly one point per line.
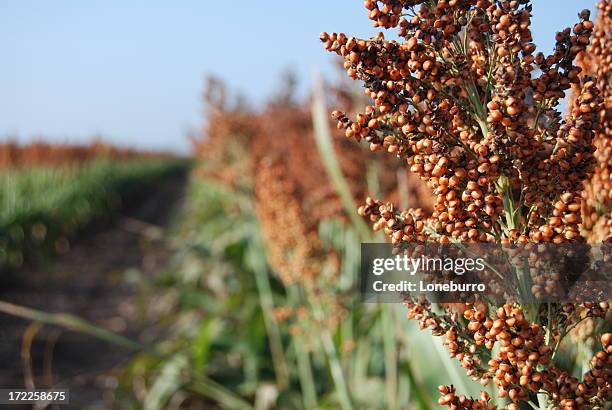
x=226, y=121
x=273, y=155
x=285, y=134
x=523, y=363
x=597, y=196
x=293, y=246
x=466, y=100
x=458, y=100
x=274, y=152
x=459, y=401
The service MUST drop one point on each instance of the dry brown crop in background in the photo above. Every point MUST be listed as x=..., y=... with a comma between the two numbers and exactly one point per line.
x=284, y=130
x=45, y=154
x=274, y=154
x=238, y=142
x=228, y=126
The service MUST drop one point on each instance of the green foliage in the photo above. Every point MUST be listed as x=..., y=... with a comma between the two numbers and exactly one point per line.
x=41, y=207
x=217, y=330
x=215, y=319
x=216, y=341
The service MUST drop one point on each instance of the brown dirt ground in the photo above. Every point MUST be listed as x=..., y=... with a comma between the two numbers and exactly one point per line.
x=93, y=281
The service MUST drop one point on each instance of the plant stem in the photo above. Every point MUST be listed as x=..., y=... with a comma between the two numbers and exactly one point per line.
x=511, y=214
x=336, y=370
x=543, y=401
x=420, y=395
x=309, y=391
x=533, y=405
x=325, y=146
x=266, y=301
x=389, y=346
x=208, y=388
x=548, y=324
x=334, y=363
x=418, y=392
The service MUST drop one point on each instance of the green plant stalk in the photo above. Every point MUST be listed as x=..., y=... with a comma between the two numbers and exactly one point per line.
x=389, y=330
x=326, y=149
x=543, y=397
x=548, y=323
x=543, y=401
x=389, y=347
x=266, y=301
x=360, y=366
x=405, y=393
x=324, y=144
x=418, y=391
x=511, y=212
x=309, y=391
x=334, y=362
x=208, y=388
x=478, y=107
x=336, y=370
x=323, y=140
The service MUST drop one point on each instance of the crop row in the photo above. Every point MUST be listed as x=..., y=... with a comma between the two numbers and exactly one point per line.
x=41, y=208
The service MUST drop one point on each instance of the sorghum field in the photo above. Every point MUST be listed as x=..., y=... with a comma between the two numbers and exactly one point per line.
x=230, y=278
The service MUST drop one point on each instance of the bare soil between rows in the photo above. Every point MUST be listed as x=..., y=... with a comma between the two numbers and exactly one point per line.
x=96, y=279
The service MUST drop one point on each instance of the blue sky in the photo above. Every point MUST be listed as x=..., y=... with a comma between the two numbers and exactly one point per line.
x=133, y=71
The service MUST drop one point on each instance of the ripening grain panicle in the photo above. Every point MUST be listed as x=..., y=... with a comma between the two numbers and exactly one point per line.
x=470, y=105
x=596, y=60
